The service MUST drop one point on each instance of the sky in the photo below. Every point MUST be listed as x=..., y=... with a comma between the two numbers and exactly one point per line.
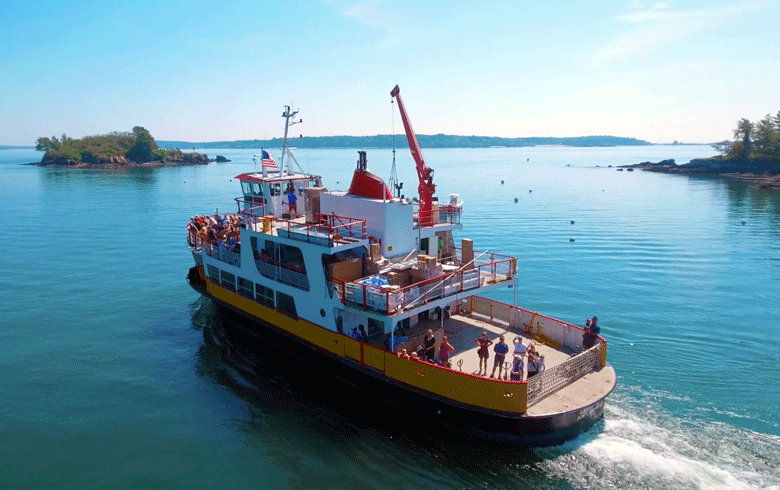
x=221, y=71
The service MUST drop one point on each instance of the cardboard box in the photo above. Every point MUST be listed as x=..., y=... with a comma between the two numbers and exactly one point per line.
x=376, y=252
x=467, y=252
x=346, y=270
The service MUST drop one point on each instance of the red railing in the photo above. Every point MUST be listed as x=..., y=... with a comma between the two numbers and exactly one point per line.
x=389, y=301
x=330, y=227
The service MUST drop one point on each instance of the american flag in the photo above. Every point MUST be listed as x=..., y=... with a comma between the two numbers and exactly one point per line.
x=268, y=160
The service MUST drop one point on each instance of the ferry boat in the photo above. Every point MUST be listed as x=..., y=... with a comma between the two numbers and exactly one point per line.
x=360, y=278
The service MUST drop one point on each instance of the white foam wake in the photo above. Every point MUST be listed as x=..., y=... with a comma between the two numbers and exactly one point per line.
x=641, y=447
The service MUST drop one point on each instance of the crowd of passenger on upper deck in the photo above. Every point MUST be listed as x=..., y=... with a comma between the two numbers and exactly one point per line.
x=208, y=230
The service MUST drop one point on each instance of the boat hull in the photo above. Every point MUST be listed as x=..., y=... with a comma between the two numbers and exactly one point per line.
x=390, y=400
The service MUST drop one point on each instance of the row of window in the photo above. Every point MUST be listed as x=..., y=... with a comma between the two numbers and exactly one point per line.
x=262, y=294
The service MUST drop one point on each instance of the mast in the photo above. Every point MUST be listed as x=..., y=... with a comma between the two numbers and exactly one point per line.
x=287, y=115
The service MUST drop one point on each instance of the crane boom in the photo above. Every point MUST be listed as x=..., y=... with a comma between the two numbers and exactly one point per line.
x=426, y=188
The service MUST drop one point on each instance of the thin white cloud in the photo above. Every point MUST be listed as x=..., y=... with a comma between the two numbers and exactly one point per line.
x=376, y=15
x=657, y=26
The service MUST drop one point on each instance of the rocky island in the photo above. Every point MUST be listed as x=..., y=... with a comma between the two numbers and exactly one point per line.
x=753, y=156
x=114, y=150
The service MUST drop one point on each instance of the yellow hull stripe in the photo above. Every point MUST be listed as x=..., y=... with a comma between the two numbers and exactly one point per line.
x=454, y=385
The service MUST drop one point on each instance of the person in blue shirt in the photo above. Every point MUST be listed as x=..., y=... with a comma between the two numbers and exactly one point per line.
x=498, y=361
x=292, y=201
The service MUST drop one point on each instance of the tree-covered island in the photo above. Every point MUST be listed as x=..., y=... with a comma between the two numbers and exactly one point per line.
x=117, y=149
x=752, y=155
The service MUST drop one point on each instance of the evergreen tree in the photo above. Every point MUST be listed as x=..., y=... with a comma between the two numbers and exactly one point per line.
x=144, y=147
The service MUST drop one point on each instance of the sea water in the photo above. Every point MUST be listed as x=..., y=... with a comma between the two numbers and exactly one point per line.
x=108, y=381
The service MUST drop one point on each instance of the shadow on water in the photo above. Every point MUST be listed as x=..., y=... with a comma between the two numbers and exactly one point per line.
x=296, y=406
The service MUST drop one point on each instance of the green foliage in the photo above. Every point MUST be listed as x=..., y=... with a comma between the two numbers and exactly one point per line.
x=753, y=141
x=99, y=149
x=144, y=146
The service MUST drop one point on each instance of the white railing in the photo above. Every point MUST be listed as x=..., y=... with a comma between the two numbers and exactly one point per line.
x=222, y=253
x=556, y=377
x=551, y=331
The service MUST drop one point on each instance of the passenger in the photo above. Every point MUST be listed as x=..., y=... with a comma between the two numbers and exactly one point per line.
x=540, y=362
x=430, y=346
x=403, y=353
x=531, y=349
x=362, y=335
x=292, y=201
x=533, y=365
x=414, y=355
x=444, y=352
x=594, y=326
x=517, y=369
x=520, y=347
x=591, y=333
x=483, y=342
x=498, y=360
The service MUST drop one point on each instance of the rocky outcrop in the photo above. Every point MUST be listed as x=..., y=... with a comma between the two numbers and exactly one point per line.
x=118, y=160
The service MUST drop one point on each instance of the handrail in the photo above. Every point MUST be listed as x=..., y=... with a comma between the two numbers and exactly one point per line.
x=389, y=302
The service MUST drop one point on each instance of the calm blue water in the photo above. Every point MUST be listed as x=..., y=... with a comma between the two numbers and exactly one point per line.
x=108, y=382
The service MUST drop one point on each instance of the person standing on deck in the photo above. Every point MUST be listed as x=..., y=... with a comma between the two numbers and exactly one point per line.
x=430, y=346
x=498, y=361
x=520, y=347
x=292, y=201
x=444, y=352
x=517, y=370
x=594, y=326
x=483, y=342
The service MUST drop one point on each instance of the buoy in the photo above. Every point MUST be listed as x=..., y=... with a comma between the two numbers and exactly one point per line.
x=572, y=221
x=530, y=190
x=515, y=199
x=743, y=222
x=571, y=239
x=502, y=182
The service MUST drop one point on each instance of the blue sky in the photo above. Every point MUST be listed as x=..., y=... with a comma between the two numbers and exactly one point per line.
x=209, y=71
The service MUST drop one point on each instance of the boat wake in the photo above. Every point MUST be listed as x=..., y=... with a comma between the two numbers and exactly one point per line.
x=641, y=446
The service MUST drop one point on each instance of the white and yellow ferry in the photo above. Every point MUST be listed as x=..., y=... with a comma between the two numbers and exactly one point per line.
x=360, y=276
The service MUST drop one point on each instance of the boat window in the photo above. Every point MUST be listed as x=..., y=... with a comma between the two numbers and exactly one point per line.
x=264, y=295
x=286, y=304
x=300, y=190
x=228, y=280
x=276, y=189
x=245, y=288
x=246, y=188
x=257, y=188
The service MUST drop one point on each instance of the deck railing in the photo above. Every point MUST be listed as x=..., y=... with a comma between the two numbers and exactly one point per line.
x=389, y=301
x=330, y=229
x=444, y=214
x=550, y=331
x=556, y=377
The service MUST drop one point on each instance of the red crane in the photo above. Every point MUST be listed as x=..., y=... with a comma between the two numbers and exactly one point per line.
x=424, y=173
